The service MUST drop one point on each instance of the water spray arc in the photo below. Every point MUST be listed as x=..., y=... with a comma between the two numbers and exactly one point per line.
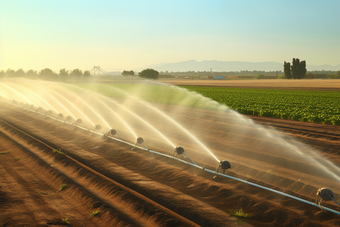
x=126, y=125
x=171, y=120
x=22, y=97
x=145, y=122
x=223, y=165
x=313, y=160
x=37, y=96
x=74, y=106
x=140, y=140
x=227, y=176
x=59, y=103
x=98, y=115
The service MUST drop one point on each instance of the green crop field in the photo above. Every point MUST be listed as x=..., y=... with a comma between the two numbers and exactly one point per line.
x=302, y=105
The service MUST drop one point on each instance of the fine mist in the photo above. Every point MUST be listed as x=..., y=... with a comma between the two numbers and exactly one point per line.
x=167, y=116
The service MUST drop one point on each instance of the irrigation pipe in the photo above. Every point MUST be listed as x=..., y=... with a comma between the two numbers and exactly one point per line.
x=191, y=164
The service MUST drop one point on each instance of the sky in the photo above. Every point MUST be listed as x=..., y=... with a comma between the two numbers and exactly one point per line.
x=127, y=34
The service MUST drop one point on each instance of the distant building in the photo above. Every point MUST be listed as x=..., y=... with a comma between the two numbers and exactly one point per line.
x=219, y=77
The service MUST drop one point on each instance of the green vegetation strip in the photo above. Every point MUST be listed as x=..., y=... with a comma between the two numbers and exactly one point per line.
x=301, y=105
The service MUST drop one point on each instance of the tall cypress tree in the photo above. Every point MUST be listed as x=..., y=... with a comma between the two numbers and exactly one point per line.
x=297, y=70
x=286, y=67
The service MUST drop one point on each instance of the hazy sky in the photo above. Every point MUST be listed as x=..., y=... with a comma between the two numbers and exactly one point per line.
x=127, y=34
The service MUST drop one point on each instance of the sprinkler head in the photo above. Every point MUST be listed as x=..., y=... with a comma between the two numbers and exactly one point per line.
x=68, y=118
x=225, y=164
x=79, y=121
x=48, y=112
x=98, y=127
x=179, y=150
x=60, y=115
x=39, y=109
x=113, y=131
x=140, y=140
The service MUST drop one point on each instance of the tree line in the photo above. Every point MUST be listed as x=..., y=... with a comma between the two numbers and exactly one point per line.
x=48, y=74
x=64, y=75
x=146, y=73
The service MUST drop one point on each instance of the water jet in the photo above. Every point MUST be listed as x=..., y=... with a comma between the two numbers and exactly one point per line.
x=58, y=103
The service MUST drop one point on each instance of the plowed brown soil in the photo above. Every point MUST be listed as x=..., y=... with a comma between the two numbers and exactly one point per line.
x=155, y=191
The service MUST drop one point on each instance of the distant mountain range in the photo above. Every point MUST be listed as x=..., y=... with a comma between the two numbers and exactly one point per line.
x=227, y=66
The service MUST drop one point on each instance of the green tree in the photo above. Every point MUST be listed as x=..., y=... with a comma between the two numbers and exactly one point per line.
x=298, y=69
x=63, y=75
x=20, y=73
x=128, y=73
x=87, y=73
x=10, y=73
x=286, y=68
x=261, y=76
x=76, y=74
x=2, y=74
x=48, y=74
x=32, y=74
x=86, y=76
x=149, y=74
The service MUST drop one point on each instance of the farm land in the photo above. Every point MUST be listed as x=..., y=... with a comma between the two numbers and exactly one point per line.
x=301, y=105
x=40, y=187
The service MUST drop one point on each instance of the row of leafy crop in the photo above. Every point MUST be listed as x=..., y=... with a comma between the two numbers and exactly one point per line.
x=301, y=105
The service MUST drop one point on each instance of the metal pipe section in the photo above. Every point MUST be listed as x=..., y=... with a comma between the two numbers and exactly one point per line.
x=190, y=159
x=194, y=164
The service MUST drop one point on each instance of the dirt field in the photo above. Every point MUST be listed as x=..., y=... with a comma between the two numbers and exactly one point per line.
x=137, y=188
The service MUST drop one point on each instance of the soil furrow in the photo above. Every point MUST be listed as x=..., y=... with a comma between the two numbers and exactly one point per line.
x=180, y=188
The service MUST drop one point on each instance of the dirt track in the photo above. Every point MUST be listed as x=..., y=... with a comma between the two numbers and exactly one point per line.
x=156, y=191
